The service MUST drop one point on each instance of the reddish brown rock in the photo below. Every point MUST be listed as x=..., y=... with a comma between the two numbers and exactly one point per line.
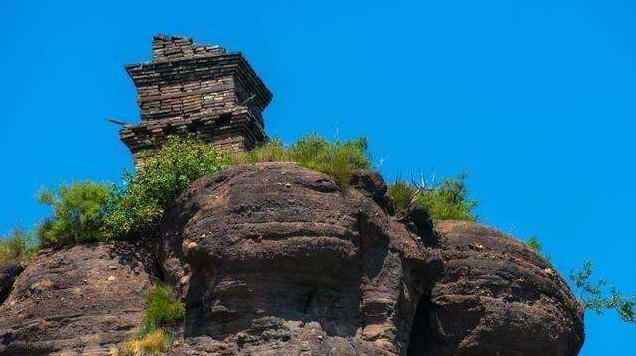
x=76, y=301
x=279, y=260
x=496, y=297
x=275, y=259
x=288, y=263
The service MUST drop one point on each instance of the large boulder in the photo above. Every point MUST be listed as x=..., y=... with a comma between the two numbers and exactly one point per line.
x=495, y=296
x=80, y=300
x=277, y=259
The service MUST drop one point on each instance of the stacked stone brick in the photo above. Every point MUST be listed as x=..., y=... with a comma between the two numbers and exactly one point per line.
x=203, y=90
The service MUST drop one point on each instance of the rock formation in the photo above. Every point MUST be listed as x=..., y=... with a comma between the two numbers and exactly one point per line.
x=275, y=259
x=82, y=300
x=495, y=297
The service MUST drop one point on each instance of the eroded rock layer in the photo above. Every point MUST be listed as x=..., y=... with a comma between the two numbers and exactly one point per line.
x=270, y=253
x=275, y=259
x=81, y=300
x=495, y=297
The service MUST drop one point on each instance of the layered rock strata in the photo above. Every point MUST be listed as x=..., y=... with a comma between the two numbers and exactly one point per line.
x=275, y=259
x=83, y=300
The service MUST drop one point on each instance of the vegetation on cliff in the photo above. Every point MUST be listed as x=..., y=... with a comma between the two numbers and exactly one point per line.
x=598, y=297
x=135, y=208
x=338, y=158
x=163, y=311
x=90, y=211
x=19, y=246
x=447, y=199
x=78, y=213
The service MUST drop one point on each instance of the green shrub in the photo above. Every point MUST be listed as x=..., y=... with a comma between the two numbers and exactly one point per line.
x=594, y=296
x=337, y=158
x=403, y=193
x=90, y=211
x=78, y=213
x=446, y=200
x=18, y=246
x=138, y=205
x=534, y=243
x=162, y=309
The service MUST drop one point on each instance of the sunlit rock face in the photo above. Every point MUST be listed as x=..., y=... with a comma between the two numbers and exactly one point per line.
x=276, y=259
x=81, y=300
x=495, y=297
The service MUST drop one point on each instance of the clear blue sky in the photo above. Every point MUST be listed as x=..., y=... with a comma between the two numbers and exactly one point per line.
x=535, y=99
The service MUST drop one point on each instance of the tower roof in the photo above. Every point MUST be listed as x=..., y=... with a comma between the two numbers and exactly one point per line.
x=178, y=58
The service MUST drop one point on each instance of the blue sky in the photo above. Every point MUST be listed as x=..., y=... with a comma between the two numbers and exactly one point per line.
x=535, y=99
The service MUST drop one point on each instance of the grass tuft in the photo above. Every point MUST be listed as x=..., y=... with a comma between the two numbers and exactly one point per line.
x=153, y=343
x=162, y=309
x=162, y=312
x=447, y=200
x=338, y=158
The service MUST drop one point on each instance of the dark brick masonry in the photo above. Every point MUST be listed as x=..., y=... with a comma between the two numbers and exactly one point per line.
x=198, y=89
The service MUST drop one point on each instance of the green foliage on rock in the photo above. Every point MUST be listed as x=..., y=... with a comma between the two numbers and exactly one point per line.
x=163, y=309
x=89, y=211
x=78, y=213
x=534, y=243
x=338, y=158
x=162, y=312
x=596, y=297
x=18, y=246
x=153, y=343
x=137, y=206
x=446, y=200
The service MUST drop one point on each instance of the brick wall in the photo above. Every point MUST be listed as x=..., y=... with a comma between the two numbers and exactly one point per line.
x=190, y=88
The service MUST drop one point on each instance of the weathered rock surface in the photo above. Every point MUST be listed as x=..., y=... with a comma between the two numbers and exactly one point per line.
x=496, y=297
x=275, y=259
x=273, y=255
x=80, y=300
x=372, y=185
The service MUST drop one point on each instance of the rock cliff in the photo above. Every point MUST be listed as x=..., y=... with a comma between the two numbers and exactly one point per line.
x=275, y=259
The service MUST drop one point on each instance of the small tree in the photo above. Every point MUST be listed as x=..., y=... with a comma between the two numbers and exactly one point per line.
x=138, y=205
x=593, y=297
x=78, y=213
x=18, y=246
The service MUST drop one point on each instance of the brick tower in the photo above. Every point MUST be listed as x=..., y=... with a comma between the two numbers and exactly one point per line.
x=190, y=88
